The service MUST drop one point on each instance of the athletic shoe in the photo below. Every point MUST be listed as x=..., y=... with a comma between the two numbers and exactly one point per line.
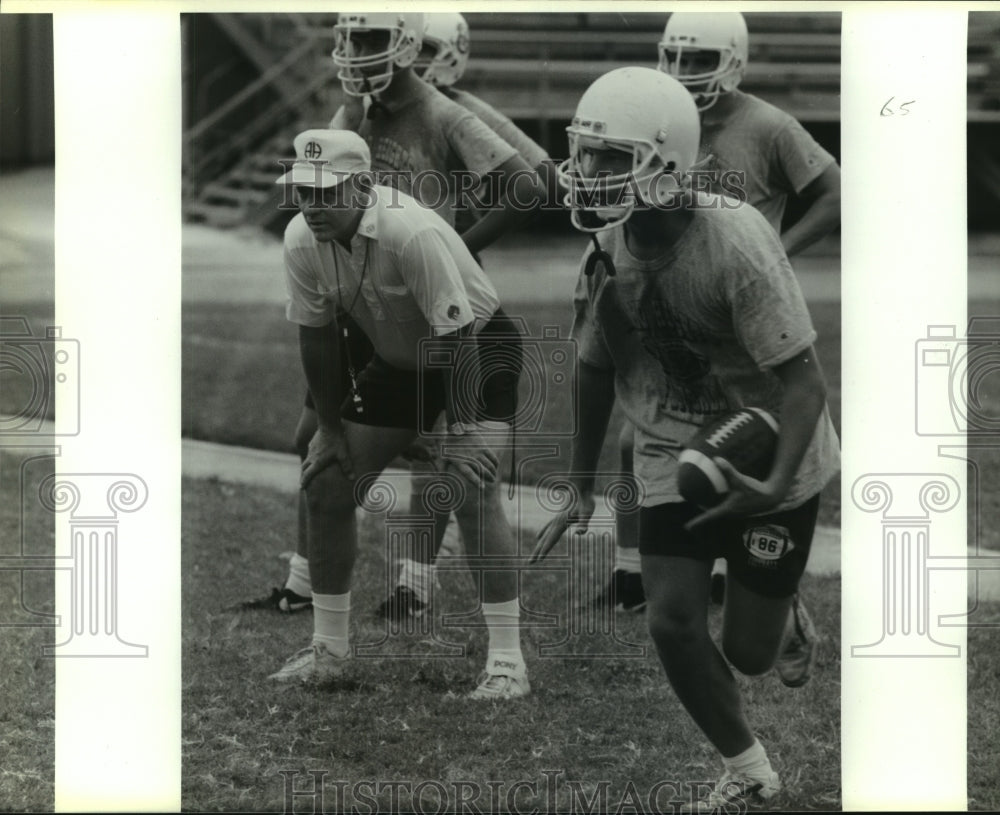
x=283, y=600
x=798, y=654
x=312, y=664
x=624, y=592
x=502, y=680
x=403, y=603
x=736, y=793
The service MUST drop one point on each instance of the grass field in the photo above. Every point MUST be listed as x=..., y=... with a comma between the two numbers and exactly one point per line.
x=402, y=718
x=27, y=679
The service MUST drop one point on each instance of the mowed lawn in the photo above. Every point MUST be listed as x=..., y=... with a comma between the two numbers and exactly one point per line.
x=601, y=714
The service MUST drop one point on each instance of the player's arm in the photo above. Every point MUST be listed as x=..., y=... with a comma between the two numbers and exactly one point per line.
x=803, y=400
x=823, y=213
x=522, y=193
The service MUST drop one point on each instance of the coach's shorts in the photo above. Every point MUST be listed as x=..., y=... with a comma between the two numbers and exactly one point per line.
x=357, y=350
x=766, y=553
x=393, y=397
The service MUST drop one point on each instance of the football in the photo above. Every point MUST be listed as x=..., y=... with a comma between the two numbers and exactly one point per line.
x=747, y=438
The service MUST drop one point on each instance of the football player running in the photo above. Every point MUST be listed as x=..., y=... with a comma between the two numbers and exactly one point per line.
x=686, y=310
x=406, y=278
x=750, y=148
x=422, y=144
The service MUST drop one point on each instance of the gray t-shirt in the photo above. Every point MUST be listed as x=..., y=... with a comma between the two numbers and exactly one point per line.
x=775, y=152
x=418, y=145
x=692, y=335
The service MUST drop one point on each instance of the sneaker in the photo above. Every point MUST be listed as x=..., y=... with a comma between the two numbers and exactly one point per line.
x=736, y=793
x=502, y=680
x=283, y=600
x=312, y=664
x=403, y=603
x=624, y=592
x=798, y=653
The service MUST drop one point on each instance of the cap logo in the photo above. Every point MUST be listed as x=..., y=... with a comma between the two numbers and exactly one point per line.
x=313, y=150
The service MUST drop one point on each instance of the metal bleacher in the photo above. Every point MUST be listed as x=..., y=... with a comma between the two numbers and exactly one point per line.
x=531, y=66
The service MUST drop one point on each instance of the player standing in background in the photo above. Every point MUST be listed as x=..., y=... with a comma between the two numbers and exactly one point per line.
x=691, y=311
x=407, y=279
x=751, y=147
x=425, y=145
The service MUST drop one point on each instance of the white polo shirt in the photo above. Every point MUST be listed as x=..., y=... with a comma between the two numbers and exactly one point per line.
x=408, y=276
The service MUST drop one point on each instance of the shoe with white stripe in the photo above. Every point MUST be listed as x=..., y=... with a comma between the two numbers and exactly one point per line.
x=736, y=793
x=312, y=664
x=502, y=679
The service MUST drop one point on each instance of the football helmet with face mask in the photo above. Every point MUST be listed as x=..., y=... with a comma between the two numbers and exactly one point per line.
x=723, y=34
x=633, y=139
x=448, y=35
x=365, y=70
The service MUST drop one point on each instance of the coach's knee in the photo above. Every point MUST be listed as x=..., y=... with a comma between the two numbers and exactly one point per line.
x=330, y=492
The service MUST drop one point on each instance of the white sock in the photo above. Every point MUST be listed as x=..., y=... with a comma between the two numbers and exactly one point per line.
x=331, y=617
x=419, y=577
x=503, y=623
x=298, y=576
x=753, y=761
x=627, y=559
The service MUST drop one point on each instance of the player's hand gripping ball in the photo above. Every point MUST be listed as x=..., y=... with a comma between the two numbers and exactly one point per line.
x=747, y=438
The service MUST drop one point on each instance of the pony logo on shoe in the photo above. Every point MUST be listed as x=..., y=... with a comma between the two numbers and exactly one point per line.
x=502, y=679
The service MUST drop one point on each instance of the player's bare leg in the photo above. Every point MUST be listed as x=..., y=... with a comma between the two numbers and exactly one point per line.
x=486, y=532
x=331, y=502
x=677, y=615
x=753, y=628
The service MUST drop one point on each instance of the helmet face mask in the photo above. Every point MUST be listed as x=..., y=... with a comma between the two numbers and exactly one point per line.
x=706, y=52
x=631, y=143
x=445, y=61
x=370, y=48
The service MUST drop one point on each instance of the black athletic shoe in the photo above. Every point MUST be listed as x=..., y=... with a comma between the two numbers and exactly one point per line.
x=402, y=604
x=624, y=592
x=284, y=600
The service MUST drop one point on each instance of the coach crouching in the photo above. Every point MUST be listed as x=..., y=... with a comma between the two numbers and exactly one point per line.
x=407, y=279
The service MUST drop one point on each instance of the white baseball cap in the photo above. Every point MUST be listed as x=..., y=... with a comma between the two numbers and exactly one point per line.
x=326, y=158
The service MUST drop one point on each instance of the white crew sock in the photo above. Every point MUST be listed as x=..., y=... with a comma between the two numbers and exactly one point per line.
x=627, y=560
x=420, y=577
x=331, y=617
x=751, y=762
x=298, y=576
x=503, y=623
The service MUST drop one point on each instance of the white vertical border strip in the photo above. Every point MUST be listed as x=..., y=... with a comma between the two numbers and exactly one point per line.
x=117, y=83
x=904, y=268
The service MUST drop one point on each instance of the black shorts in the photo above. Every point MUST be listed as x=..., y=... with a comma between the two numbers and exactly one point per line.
x=356, y=350
x=393, y=397
x=766, y=553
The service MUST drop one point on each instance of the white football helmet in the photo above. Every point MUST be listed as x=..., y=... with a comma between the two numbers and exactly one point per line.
x=722, y=32
x=405, y=32
x=643, y=113
x=449, y=34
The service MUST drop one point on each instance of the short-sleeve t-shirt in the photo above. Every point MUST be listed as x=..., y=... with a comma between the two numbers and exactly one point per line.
x=532, y=152
x=418, y=144
x=408, y=276
x=692, y=335
x=774, y=151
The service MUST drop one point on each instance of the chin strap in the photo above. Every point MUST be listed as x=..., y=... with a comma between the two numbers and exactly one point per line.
x=374, y=105
x=598, y=255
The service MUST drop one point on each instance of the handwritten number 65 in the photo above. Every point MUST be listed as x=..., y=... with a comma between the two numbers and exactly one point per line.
x=903, y=107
